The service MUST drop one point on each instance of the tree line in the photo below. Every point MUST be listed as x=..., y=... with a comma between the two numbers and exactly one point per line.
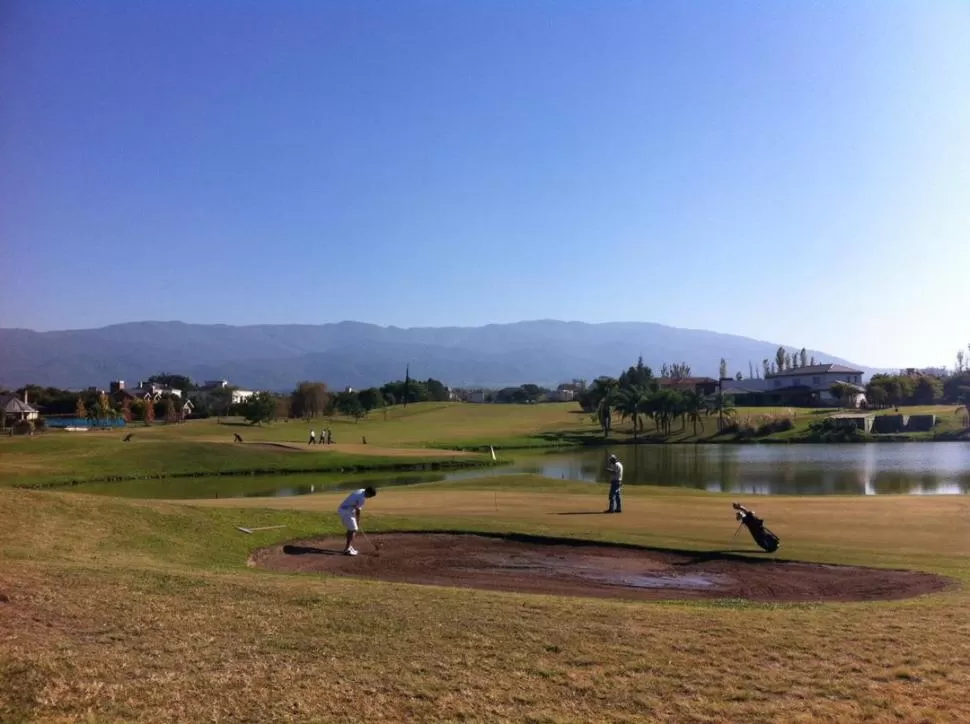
x=638, y=396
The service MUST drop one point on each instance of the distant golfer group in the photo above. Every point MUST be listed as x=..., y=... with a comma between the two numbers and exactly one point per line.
x=326, y=437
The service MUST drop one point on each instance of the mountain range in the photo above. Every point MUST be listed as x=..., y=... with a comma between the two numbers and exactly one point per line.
x=276, y=357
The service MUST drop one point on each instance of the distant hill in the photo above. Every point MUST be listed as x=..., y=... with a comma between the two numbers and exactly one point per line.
x=276, y=357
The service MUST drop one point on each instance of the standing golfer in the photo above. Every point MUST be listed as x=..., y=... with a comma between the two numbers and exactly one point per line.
x=615, y=469
x=313, y=437
x=349, y=511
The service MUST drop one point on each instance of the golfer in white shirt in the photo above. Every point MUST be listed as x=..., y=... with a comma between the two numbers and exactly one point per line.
x=349, y=512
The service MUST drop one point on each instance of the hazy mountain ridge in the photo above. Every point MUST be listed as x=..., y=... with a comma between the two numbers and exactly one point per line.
x=276, y=357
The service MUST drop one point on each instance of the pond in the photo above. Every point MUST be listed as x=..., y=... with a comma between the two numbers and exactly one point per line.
x=853, y=469
x=846, y=469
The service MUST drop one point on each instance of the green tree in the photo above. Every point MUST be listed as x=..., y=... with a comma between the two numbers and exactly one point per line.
x=309, y=400
x=928, y=390
x=80, y=411
x=694, y=406
x=679, y=371
x=149, y=414
x=220, y=401
x=767, y=368
x=348, y=404
x=103, y=410
x=723, y=372
x=371, y=398
x=803, y=357
x=631, y=402
x=780, y=358
x=258, y=408
x=170, y=412
x=843, y=392
x=436, y=390
x=876, y=395
x=722, y=406
x=592, y=397
x=607, y=404
x=964, y=408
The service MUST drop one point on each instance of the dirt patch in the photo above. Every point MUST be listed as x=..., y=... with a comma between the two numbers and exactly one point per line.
x=360, y=449
x=576, y=568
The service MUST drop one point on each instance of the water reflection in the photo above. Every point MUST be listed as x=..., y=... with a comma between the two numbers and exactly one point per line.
x=869, y=469
x=857, y=469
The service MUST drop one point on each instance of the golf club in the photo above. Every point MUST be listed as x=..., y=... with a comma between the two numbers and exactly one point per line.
x=377, y=550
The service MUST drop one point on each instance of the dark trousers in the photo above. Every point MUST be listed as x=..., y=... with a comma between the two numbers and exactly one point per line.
x=616, y=504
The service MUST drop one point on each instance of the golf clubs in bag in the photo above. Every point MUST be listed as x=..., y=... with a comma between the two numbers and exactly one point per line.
x=765, y=539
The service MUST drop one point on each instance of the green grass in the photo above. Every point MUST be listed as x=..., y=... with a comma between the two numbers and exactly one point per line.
x=417, y=436
x=60, y=458
x=146, y=611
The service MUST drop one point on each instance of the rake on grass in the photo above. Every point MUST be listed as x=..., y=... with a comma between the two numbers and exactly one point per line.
x=250, y=531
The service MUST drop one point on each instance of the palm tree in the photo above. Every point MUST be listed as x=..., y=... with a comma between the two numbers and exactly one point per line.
x=665, y=405
x=694, y=406
x=964, y=407
x=631, y=403
x=721, y=405
x=604, y=411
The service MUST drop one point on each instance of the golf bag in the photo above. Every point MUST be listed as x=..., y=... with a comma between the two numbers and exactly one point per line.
x=765, y=539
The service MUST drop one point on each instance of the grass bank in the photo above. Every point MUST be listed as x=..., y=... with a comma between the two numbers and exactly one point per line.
x=59, y=459
x=184, y=630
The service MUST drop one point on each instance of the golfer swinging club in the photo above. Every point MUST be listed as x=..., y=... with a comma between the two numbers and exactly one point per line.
x=349, y=512
x=615, y=469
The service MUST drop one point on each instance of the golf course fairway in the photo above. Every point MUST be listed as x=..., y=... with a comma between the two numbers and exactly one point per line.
x=120, y=609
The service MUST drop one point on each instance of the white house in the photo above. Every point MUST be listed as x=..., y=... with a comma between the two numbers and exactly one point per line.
x=817, y=380
x=209, y=386
x=476, y=396
x=563, y=394
x=241, y=396
x=12, y=408
x=812, y=382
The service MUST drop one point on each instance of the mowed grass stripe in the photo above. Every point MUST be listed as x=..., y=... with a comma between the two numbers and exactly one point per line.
x=146, y=611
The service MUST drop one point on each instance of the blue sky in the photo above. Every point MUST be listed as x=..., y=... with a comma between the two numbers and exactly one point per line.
x=792, y=171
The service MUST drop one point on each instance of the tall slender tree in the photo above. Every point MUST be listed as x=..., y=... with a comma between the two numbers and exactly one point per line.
x=724, y=369
x=780, y=357
x=803, y=357
x=407, y=384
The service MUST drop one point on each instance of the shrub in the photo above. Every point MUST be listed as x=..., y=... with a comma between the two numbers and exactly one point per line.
x=23, y=427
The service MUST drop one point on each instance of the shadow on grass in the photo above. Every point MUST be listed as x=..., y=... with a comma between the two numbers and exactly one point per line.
x=582, y=512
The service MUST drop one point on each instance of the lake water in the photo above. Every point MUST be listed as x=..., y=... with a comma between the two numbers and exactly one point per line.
x=847, y=469
x=854, y=469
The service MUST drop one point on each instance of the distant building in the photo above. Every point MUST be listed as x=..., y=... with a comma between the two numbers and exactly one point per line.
x=207, y=388
x=811, y=385
x=563, y=394
x=14, y=409
x=475, y=396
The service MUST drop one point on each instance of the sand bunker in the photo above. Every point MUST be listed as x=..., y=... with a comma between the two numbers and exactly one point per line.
x=576, y=568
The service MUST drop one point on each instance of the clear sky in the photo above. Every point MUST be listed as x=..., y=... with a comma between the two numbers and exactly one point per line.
x=792, y=171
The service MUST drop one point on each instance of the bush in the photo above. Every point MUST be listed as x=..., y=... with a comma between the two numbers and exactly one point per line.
x=40, y=424
x=23, y=427
x=746, y=427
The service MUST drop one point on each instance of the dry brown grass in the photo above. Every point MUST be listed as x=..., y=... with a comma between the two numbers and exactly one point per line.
x=126, y=610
